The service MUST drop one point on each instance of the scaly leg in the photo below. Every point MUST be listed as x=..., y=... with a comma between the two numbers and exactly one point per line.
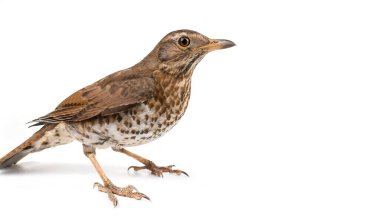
x=149, y=165
x=107, y=186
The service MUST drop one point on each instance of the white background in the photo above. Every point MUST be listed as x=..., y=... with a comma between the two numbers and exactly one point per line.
x=286, y=123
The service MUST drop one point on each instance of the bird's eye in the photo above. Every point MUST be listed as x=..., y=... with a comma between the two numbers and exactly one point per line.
x=184, y=41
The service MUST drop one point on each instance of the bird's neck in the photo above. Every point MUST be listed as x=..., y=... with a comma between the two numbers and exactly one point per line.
x=172, y=90
x=174, y=82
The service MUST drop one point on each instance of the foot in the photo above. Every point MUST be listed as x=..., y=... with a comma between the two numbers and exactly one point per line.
x=128, y=191
x=158, y=171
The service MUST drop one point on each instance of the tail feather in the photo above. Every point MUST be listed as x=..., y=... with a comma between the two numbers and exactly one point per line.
x=28, y=146
x=7, y=162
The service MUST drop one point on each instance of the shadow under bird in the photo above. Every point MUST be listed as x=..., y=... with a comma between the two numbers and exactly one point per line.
x=127, y=108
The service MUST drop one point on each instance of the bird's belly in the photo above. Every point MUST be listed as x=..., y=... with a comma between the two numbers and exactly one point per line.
x=135, y=127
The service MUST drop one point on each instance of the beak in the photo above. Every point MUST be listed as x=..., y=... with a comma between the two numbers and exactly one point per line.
x=218, y=44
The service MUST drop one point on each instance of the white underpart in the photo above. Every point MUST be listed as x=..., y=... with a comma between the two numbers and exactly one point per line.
x=116, y=138
x=57, y=136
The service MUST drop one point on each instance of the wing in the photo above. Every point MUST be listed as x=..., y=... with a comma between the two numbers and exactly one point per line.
x=110, y=95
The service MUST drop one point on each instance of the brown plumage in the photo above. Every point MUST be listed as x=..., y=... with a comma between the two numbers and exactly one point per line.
x=129, y=107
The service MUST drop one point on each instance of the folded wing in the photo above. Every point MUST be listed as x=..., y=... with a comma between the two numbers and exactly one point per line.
x=105, y=97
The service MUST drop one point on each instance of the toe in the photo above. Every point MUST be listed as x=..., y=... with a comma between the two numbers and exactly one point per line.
x=139, y=196
x=112, y=198
x=157, y=173
x=136, y=168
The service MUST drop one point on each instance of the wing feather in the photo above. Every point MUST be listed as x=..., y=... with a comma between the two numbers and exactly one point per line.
x=110, y=95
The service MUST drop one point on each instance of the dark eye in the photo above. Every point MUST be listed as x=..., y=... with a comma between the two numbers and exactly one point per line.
x=184, y=41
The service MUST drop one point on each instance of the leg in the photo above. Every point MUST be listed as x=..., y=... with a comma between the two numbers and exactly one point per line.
x=149, y=165
x=107, y=186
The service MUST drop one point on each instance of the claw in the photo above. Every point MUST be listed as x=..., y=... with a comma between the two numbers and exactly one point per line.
x=115, y=203
x=96, y=184
x=146, y=197
x=136, y=168
x=132, y=167
x=183, y=172
x=112, y=198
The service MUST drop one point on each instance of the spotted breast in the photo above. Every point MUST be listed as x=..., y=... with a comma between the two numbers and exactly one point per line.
x=140, y=123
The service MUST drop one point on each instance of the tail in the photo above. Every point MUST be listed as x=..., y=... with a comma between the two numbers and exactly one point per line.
x=49, y=135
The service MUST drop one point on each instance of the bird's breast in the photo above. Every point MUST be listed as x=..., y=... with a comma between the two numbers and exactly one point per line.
x=139, y=124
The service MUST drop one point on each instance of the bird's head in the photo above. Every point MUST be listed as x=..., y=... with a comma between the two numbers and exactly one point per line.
x=180, y=51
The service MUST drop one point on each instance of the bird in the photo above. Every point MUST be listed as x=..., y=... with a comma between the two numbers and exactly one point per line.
x=130, y=107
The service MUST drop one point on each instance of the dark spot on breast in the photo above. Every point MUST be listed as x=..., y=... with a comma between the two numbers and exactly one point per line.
x=151, y=105
x=103, y=140
x=133, y=137
x=45, y=143
x=138, y=122
x=119, y=118
x=162, y=113
x=133, y=131
x=157, y=107
x=96, y=132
